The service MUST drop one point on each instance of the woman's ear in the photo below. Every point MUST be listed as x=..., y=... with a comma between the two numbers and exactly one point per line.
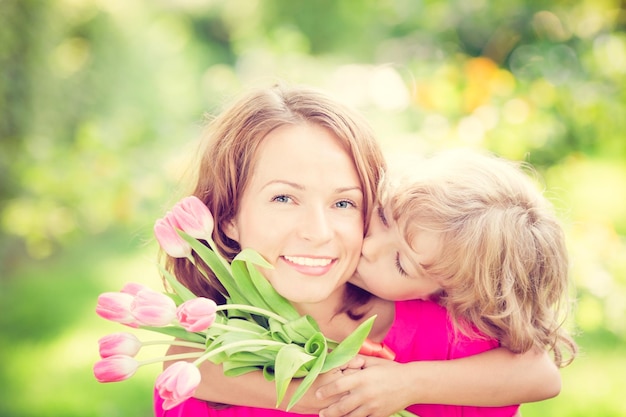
x=231, y=230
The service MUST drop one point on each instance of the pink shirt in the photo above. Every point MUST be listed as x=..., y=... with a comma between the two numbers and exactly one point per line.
x=421, y=331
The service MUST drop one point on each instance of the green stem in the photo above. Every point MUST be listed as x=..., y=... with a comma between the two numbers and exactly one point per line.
x=191, y=259
x=241, y=343
x=172, y=358
x=252, y=309
x=232, y=328
x=174, y=343
x=220, y=257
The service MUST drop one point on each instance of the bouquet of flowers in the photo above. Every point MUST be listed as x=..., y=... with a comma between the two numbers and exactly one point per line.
x=257, y=329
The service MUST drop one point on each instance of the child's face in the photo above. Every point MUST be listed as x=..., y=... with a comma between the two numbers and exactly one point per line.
x=390, y=268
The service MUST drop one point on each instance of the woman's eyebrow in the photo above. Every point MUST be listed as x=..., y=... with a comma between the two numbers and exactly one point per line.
x=302, y=187
x=346, y=189
x=284, y=182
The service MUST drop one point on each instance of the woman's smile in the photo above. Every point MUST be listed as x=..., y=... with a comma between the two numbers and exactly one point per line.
x=310, y=265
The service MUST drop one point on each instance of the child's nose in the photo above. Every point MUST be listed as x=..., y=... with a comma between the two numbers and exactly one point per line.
x=368, y=250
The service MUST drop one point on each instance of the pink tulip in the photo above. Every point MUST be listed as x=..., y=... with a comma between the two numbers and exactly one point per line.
x=115, y=306
x=193, y=217
x=133, y=288
x=177, y=383
x=153, y=308
x=197, y=314
x=115, y=368
x=165, y=230
x=121, y=343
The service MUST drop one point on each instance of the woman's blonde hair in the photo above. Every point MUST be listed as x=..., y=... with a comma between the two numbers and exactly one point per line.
x=229, y=153
x=504, y=262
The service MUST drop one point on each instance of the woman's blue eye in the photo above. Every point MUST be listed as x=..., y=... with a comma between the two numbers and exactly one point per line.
x=345, y=204
x=281, y=198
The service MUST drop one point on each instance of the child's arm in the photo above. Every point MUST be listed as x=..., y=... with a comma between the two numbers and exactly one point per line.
x=493, y=378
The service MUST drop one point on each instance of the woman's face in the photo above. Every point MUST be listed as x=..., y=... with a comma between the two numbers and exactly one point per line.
x=302, y=211
x=391, y=268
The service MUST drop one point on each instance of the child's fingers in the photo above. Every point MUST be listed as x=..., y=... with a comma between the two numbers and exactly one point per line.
x=346, y=407
x=357, y=362
x=338, y=386
x=350, y=371
x=351, y=406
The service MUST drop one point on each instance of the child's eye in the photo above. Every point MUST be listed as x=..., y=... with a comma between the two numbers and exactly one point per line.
x=282, y=198
x=345, y=204
x=381, y=216
x=399, y=266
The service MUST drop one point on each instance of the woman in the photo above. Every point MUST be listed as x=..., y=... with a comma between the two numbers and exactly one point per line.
x=293, y=174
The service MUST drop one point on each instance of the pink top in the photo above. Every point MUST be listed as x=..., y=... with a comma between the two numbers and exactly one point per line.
x=421, y=331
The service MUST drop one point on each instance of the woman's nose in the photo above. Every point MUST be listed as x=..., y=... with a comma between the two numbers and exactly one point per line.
x=316, y=226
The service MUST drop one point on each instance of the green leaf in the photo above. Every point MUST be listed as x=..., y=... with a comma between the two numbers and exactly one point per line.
x=213, y=261
x=254, y=257
x=234, y=369
x=247, y=325
x=260, y=357
x=315, y=370
x=301, y=329
x=175, y=297
x=249, y=292
x=289, y=360
x=275, y=301
x=316, y=345
x=349, y=347
x=243, y=362
x=268, y=372
x=277, y=331
x=234, y=336
x=182, y=291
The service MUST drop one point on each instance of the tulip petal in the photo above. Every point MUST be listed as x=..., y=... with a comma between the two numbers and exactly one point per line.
x=153, y=308
x=121, y=343
x=177, y=383
x=169, y=239
x=115, y=306
x=197, y=315
x=194, y=217
x=115, y=368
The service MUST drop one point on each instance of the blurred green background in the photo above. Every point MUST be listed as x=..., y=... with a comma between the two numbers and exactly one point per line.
x=102, y=101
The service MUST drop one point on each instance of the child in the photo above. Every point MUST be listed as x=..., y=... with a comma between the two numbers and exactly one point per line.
x=473, y=232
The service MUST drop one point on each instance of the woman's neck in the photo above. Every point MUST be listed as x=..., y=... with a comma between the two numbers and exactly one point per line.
x=323, y=311
x=337, y=326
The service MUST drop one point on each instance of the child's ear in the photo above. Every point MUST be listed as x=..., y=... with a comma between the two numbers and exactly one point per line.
x=231, y=230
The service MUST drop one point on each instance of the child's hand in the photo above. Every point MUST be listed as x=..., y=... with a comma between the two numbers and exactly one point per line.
x=375, y=390
x=355, y=364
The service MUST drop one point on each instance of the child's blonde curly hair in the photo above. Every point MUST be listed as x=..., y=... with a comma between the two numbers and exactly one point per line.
x=504, y=261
